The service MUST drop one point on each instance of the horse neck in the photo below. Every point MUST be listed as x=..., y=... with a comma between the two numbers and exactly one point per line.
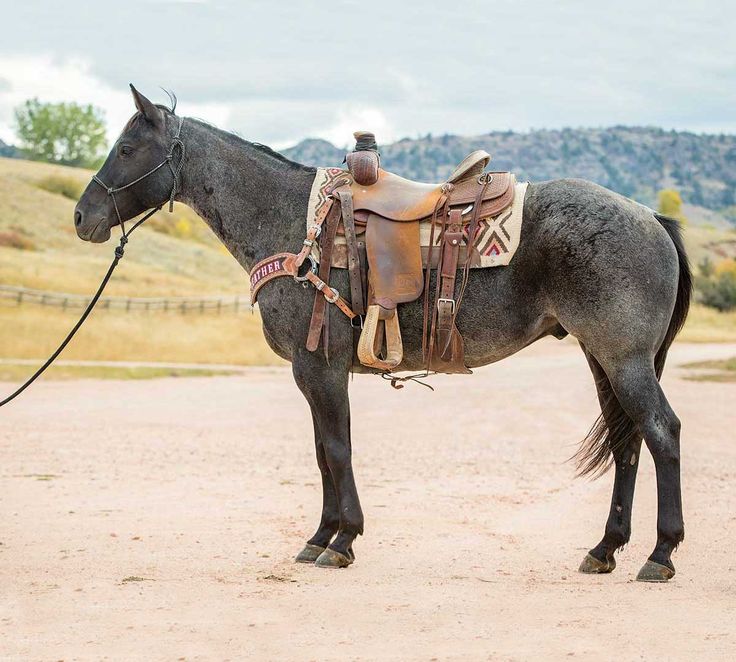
x=254, y=200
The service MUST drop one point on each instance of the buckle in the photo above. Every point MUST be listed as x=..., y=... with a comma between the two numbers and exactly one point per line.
x=335, y=297
x=450, y=301
x=312, y=268
x=485, y=178
x=360, y=322
x=317, y=230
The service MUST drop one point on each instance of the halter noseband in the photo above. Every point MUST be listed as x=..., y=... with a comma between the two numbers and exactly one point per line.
x=175, y=171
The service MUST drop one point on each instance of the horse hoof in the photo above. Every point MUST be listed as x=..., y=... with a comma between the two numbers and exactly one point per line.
x=655, y=572
x=592, y=566
x=332, y=559
x=309, y=554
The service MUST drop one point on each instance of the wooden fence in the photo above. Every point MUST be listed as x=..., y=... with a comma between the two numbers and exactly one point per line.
x=19, y=296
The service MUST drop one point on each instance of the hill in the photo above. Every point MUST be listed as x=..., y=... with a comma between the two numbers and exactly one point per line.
x=172, y=255
x=8, y=151
x=635, y=161
x=158, y=262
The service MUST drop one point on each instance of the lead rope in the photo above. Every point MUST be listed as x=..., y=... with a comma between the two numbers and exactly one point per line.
x=119, y=250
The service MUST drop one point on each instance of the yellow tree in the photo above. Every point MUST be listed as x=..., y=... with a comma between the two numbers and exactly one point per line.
x=670, y=204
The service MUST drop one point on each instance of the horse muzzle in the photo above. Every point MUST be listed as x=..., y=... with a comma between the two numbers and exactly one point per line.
x=93, y=228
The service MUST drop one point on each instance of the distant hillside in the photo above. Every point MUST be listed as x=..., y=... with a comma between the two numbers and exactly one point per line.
x=173, y=254
x=636, y=161
x=8, y=150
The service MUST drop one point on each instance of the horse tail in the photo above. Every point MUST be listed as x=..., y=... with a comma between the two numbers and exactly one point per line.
x=614, y=429
x=684, y=290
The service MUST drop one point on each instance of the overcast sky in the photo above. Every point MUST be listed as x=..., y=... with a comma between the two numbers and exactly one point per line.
x=278, y=71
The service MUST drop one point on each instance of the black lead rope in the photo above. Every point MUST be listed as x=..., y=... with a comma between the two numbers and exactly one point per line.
x=119, y=252
x=120, y=249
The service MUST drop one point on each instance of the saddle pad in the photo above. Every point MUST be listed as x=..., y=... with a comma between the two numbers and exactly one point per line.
x=498, y=237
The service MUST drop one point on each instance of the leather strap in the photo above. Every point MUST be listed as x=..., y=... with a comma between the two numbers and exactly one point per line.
x=348, y=222
x=426, y=324
x=319, y=325
x=472, y=249
x=446, y=304
x=285, y=264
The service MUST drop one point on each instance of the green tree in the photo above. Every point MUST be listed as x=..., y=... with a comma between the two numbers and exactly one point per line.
x=66, y=133
x=670, y=204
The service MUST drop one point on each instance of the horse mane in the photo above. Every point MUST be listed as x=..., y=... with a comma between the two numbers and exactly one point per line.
x=229, y=136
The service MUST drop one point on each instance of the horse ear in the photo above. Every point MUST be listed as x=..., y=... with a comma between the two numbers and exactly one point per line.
x=146, y=108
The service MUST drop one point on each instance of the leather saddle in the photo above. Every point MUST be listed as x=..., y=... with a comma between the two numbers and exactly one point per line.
x=388, y=267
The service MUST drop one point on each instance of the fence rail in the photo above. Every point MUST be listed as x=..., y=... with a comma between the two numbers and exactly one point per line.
x=182, y=305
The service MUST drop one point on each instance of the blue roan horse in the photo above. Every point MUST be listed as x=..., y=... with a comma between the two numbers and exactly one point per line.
x=591, y=263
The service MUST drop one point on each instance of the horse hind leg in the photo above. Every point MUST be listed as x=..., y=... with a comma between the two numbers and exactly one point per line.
x=615, y=431
x=635, y=384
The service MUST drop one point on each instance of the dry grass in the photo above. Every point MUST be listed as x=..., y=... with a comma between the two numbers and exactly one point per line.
x=18, y=373
x=31, y=332
x=68, y=186
x=702, y=242
x=708, y=325
x=716, y=371
x=155, y=263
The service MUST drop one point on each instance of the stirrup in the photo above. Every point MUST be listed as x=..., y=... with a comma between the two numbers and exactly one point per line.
x=394, y=347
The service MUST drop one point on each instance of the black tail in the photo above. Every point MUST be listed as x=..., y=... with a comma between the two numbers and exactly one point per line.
x=684, y=290
x=614, y=429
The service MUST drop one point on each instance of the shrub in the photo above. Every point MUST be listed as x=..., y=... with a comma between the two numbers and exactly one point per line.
x=13, y=239
x=716, y=285
x=183, y=229
x=726, y=266
x=69, y=187
x=670, y=204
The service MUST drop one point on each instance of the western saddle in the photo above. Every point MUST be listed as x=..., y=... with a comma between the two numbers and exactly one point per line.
x=380, y=214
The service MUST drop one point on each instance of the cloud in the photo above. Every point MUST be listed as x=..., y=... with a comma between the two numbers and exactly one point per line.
x=71, y=79
x=50, y=80
x=278, y=72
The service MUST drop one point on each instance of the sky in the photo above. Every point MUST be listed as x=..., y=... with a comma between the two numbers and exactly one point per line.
x=278, y=72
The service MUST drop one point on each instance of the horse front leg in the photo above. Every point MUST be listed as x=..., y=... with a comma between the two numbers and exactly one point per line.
x=330, y=521
x=326, y=389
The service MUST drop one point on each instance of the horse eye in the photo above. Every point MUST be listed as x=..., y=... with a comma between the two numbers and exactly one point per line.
x=126, y=149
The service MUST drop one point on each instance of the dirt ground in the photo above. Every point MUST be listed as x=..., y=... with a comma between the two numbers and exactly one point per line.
x=157, y=520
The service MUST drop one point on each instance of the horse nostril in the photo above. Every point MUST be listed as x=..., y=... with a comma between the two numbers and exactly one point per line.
x=78, y=218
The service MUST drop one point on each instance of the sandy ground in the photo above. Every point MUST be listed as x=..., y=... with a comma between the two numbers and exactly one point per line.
x=157, y=520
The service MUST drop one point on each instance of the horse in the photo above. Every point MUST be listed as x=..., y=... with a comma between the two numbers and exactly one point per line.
x=591, y=263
